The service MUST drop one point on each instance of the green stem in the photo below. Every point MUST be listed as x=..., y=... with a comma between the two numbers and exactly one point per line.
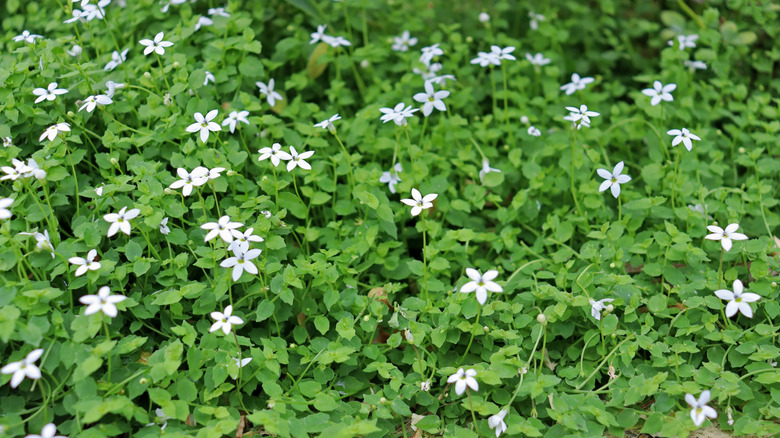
x=603, y=361
x=425, y=260
x=471, y=408
x=162, y=71
x=473, y=332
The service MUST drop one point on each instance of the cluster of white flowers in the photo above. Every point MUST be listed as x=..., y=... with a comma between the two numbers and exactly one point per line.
x=333, y=41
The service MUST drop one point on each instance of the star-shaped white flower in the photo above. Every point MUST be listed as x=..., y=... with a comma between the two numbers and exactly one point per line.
x=234, y=117
x=725, y=236
x=403, y=42
x=419, y=202
x=85, y=264
x=391, y=177
x=577, y=83
x=497, y=422
x=225, y=320
x=685, y=41
x=613, y=179
x=486, y=169
x=431, y=99
x=596, y=307
x=19, y=170
x=157, y=46
x=537, y=60
x=738, y=300
x=428, y=53
x=268, y=91
x=695, y=65
x=398, y=114
x=481, y=284
x=580, y=116
x=117, y=58
x=205, y=125
x=275, y=153
x=54, y=130
x=91, y=102
x=164, y=226
x=220, y=12
x=48, y=431
x=684, y=136
x=112, y=87
x=102, y=302
x=699, y=408
x=203, y=21
x=241, y=261
x=485, y=59
x=42, y=241
x=297, y=160
x=462, y=379
x=5, y=213
x=660, y=92
x=222, y=228
x=318, y=36
x=534, y=131
x=188, y=181
x=49, y=93
x=328, y=124
x=503, y=53
x=243, y=240
x=121, y=221
x=24, y=368
x=27, y=37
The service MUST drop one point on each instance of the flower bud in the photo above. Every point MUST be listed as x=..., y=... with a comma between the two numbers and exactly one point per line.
x=75, y=51
x=541, y=319
x=469, y=39
x=71, y=114
x=484, y=17
x=408, y=335
x=366, y=318
x=271, y=404
x=524, y=120
x=231, y=173
x=143, y=380
x=114, y=161
x=522, y=371
x=365, y=64
x=741, y=150
x=293, y=346
x=176, y=64
x=612, y=265
x=485, y=329
x=167, y=100
x=147, y=75
x=168, y=191
x=382, y=400
x=7, y=141
x=774, y=284
x=610, y=308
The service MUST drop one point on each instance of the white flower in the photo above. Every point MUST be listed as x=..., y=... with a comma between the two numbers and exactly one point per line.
x=613, y=179
x=429, y=72
x=102, y=302
x=197, y=178
x=537, y=60
x=275, y=153
x=221, y=12
x=93, y=101
x=241, y=261
x=497, y=422
x=157, y=46
x=24, y=368
x=209, y=78
x=84, y=265
x=222, y=228
x=403, y=42
x=535, y=19
x=42, y=241
x=27, y=37
x=486, y=169
x=504, y=53
x=225, y=320
x=121, y=221
x=112, y=87
x=699, y=408
x=13, y=173
x=5, y=213
x=49, y=93
x=695, y=65
x=738, y=300
x=481, y=283
x=597, y=306
x=318, y=36
x=483, y=17
x=214, y=173
x=204, y=125
x=685, y=41
x=48, y=431
x=203, y=21
x=234, y=117
x=266, y=213
x=391, y=177
x=338, y=41
x=33, y=170
x=428, y=53
x=431, y=99
x=75, y=51
x=159, y=414
x=7, y=141
x=52, y=131
x=577, y=83
x=268, y=91
x=580, y=116
x=659, y=92
x=328, y=124
x=683, y=136
x=485, y=59
x=116, y=59
x=99, y=191
x=297, y=159
x=164, y=226
x=398, y=114
x=462, y=379
x=725, y=236
x=242, y=240
x=419, y=202
x=441, y=79
x=534, y=131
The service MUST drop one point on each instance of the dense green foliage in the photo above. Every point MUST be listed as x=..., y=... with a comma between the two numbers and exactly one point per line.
x=356, y=307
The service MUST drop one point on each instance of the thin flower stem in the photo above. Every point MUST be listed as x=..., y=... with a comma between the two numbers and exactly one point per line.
x=493, y=88
x=419, y=360
x=422, y=133
x=276, y=190
x=674, y=184
x=202, y=204
x=544, y=345
x=411, y=157
x=162, y=71
x=473, y=332
x=108, y=338
x=720, y=269
x=603, y=361
x=571, y=173
x=425, y=260
x=55, y=232
x=471, y=408
x=506, y=105
x=20, y=269
x=528, y=362
x=75, y=181
x=149, y=243
x=216, y=201
x=620, y=209
x=349, y=163
x=49, y=217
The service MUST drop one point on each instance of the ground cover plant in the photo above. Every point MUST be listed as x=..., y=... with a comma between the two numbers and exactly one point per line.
x=401, y=218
